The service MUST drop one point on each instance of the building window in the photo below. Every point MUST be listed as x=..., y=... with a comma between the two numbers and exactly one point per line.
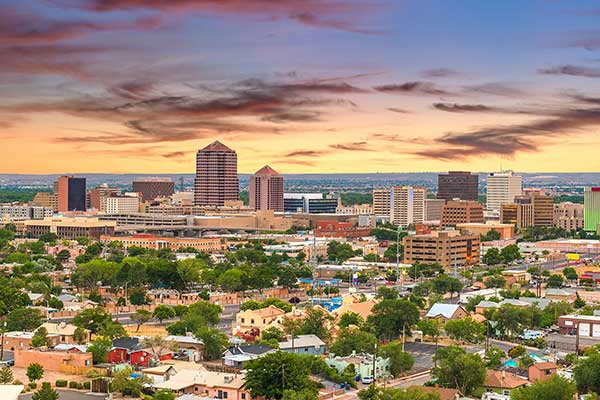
x=243, y=396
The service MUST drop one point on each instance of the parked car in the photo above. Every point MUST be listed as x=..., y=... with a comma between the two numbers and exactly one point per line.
x=367, y=380
x=531, y=334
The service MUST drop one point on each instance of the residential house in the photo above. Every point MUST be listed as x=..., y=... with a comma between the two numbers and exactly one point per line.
x=60, y=361
x=502, y=382
x=445, y=312
x=443, y=393
x=63, y=330
x=515, y=276
x=542, y=371
x=249, y=320
x=303, y=344
x=160, y=373
x=204, y=383
x=22, y=340
x=352, y=304
x=363, y=364
x=78, y=348
x=560, y=295
x=119, y=353
x=238, y=355
x=485, y=305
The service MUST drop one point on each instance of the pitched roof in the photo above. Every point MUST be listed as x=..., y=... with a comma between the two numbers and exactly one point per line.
x=183, y=339
x=544, y=365
x=302, y=341
x=217, y=146
x=503, y=380
x=256, y=349
x=266, y=170
x=202, y=377
x=445, y=310
x=444, y=393
x=60, y=328
x=129, y=343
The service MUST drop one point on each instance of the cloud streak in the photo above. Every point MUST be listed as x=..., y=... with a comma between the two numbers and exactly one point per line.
x=413, y=88
x=571, y=70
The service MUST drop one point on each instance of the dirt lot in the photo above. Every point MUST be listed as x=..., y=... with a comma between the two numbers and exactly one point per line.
x=49, y=376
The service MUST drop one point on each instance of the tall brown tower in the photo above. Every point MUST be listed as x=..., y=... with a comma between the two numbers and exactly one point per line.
x=216, y=175
x=266, y=190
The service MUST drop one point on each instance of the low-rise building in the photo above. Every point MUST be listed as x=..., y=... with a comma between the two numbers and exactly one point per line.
x=204, y=383
x=502, y=382
x=161, y=373
x=334, y=229
x=303, y=344
x=461, y=212
x=446, y=312
x=568, y=216
x=541, y=371
x=64, y=331
x=363, y=364
x=587, y=325
x=204, y=244
x=239, y=355
x=60, y=361
x=506, y=231
x=69, y=228
x=249, y=320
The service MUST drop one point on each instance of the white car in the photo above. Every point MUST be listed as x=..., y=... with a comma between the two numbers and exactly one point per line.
x=367, y=380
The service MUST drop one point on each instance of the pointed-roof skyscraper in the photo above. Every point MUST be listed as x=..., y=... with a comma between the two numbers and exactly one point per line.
x=266, y=190
x=216, y=178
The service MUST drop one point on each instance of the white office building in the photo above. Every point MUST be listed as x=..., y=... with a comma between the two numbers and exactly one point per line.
x=502, y=187
x=407, y=205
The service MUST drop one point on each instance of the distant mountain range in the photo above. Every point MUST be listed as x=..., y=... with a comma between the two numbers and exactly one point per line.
x=297, y=182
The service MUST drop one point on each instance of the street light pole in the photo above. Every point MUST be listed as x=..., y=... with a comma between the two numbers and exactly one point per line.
x=374, y=360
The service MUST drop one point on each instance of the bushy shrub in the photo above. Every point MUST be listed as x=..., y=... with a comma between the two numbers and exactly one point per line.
x=61, y=383
x=87, y=385
x=75, y=385
x=32, y=385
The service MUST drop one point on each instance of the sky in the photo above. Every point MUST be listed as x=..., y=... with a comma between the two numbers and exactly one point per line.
x=306, y=86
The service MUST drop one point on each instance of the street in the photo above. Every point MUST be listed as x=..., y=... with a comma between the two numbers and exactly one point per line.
x=65, y=394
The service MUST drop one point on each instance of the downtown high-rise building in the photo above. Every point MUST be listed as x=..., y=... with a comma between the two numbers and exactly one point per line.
x=216, y=180
x=502, y=188
x=266, y=190
x=381, y=202
x=407, y=205
x=71, y=193
x=591, y=205
x=153, y=188
x=459, y=185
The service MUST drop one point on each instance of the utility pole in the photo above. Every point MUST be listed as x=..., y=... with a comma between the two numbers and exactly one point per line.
x=398, y=271
x=374, y=360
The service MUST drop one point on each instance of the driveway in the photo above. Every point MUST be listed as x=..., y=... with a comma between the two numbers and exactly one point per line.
x=70, y=395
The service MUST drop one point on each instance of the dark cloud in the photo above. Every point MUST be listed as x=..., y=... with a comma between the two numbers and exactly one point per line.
x=341, y=15
x=462, y=108
x=589, y=40
x=356, y=146
x=307, y=116
x=318, y=86
x=132, y=90
x=571, y=70
x=398, y=110
x=306, y=153
x=495, y=89
x=20, y=28
x=439, y=73
x=175, y=154
x=507, y=140
x=417, y=87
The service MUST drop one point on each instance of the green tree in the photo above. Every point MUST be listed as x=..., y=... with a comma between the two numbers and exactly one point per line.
x=400, y=361
x=570, y=273
x=316, y=323
x=511, y=253
x=587, y=374
x=45, y=393
x=214, y=342
x=555, y=388
x=473, y=302
x=350, y=318
x=79, y=335
x=495, y=281
x=40, y=337
x=112, y=330
x=99, y=349
x=162, y=312
x=555, y=281
x=55, y=303
x=458, y=369
x=6, y=375
x=350, y=340
x=465, y=329
x=163, y=394
x=272, y=333
x=138, y=297
x=387, y=293
x=270, y=376
x=23, y=319
x=494, y=357
x=123, y=383
x=339, y=252
x=492, y=257
x=140, y=317
x=92, y=319
x=390, y=317
x=34, y=372
x=579, y=302
x=430, y=327
x=412, y=393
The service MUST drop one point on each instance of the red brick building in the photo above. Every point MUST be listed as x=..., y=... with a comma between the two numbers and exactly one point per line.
x=336, y=229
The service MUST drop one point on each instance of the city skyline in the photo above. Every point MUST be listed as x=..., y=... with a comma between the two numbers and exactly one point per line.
x=124, y=86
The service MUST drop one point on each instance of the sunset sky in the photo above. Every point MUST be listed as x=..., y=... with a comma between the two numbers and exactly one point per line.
x=303, y=85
